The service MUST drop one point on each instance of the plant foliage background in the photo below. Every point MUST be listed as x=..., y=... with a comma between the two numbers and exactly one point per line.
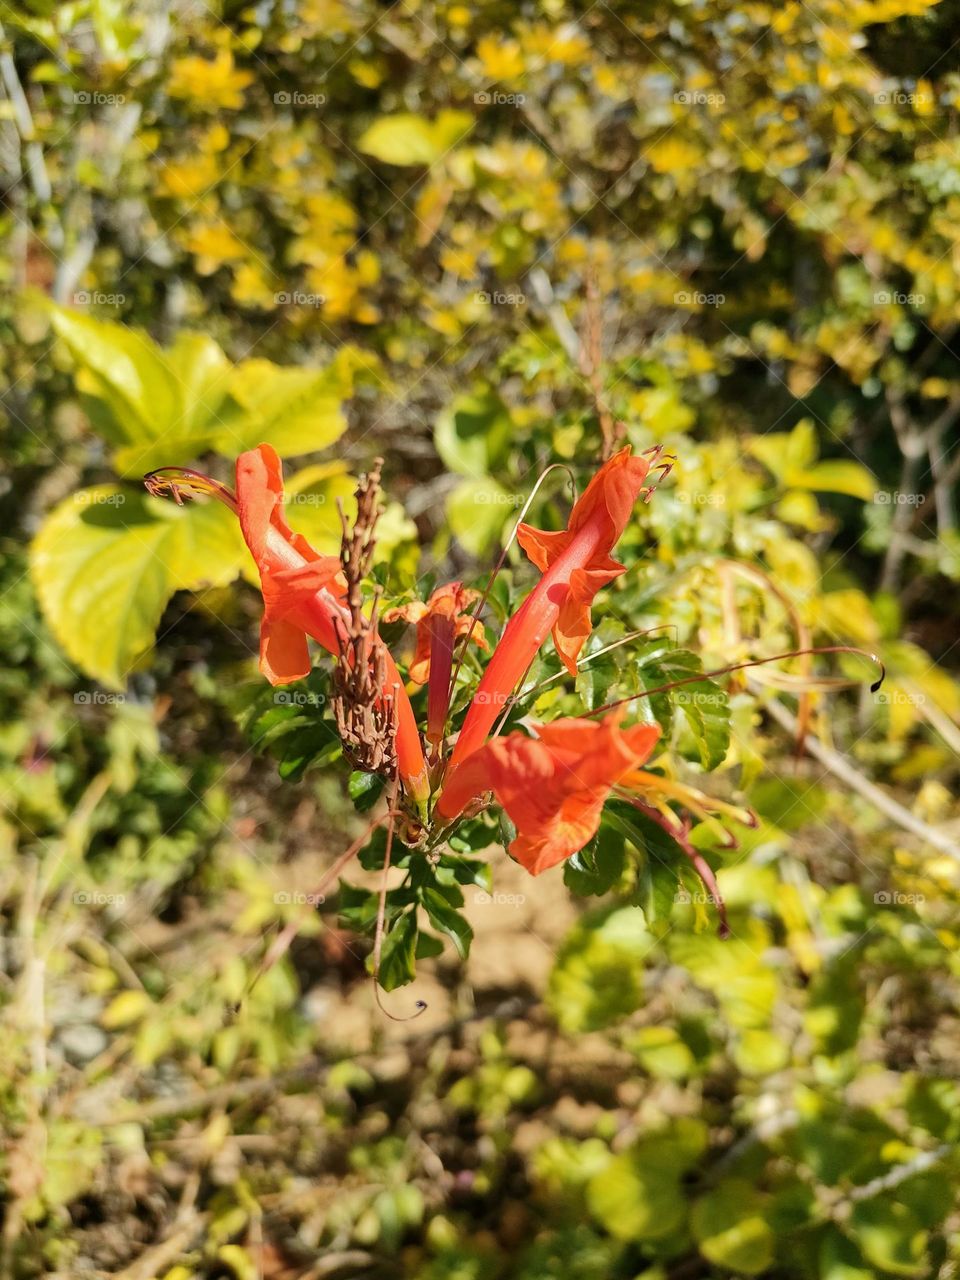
x=472, y=239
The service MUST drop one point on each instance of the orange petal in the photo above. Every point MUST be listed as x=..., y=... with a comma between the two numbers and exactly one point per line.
x=574, y=622
x=542, y=548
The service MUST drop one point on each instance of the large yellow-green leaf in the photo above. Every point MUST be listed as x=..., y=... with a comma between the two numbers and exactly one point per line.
x=297, y=410
x=156, y=408
x=408, y=139
x=107, y=560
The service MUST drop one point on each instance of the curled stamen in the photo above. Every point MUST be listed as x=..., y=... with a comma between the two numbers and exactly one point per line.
x=183, y=482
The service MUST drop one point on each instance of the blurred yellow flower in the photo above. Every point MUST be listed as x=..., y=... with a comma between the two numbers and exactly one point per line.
x=212, y=244
x=209, y=84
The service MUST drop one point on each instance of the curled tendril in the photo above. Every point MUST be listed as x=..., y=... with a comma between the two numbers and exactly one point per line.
x=741, y=666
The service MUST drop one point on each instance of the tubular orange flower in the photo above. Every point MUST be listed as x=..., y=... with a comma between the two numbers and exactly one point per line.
x=575, y=563
x=448, y=604
x=302, y=591
x=440, y=622
x=552, y=787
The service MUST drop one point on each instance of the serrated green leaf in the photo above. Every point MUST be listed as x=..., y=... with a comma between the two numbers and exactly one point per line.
x=365, y=789
x=447, y=919
x=398, y=964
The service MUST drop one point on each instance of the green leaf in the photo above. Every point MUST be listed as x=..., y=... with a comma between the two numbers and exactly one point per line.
x=835, y=476
x=599, y=866
x=473, y=433
x=398, y=954
x=634, y=1199
x=312, y=497
x=107, y=560
x=155, y=408
x=731, y=1229
x=477, y=511
x=365, y=789
x=407, y=139
x=703, y=703
x=447, y=919
x=890, y=1236
x=297, y=410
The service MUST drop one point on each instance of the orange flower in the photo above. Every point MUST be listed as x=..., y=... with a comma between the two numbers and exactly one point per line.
x=552, y=787
x=302, y=591
x=440, y=623
x=575, y=563
x=444, y=613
